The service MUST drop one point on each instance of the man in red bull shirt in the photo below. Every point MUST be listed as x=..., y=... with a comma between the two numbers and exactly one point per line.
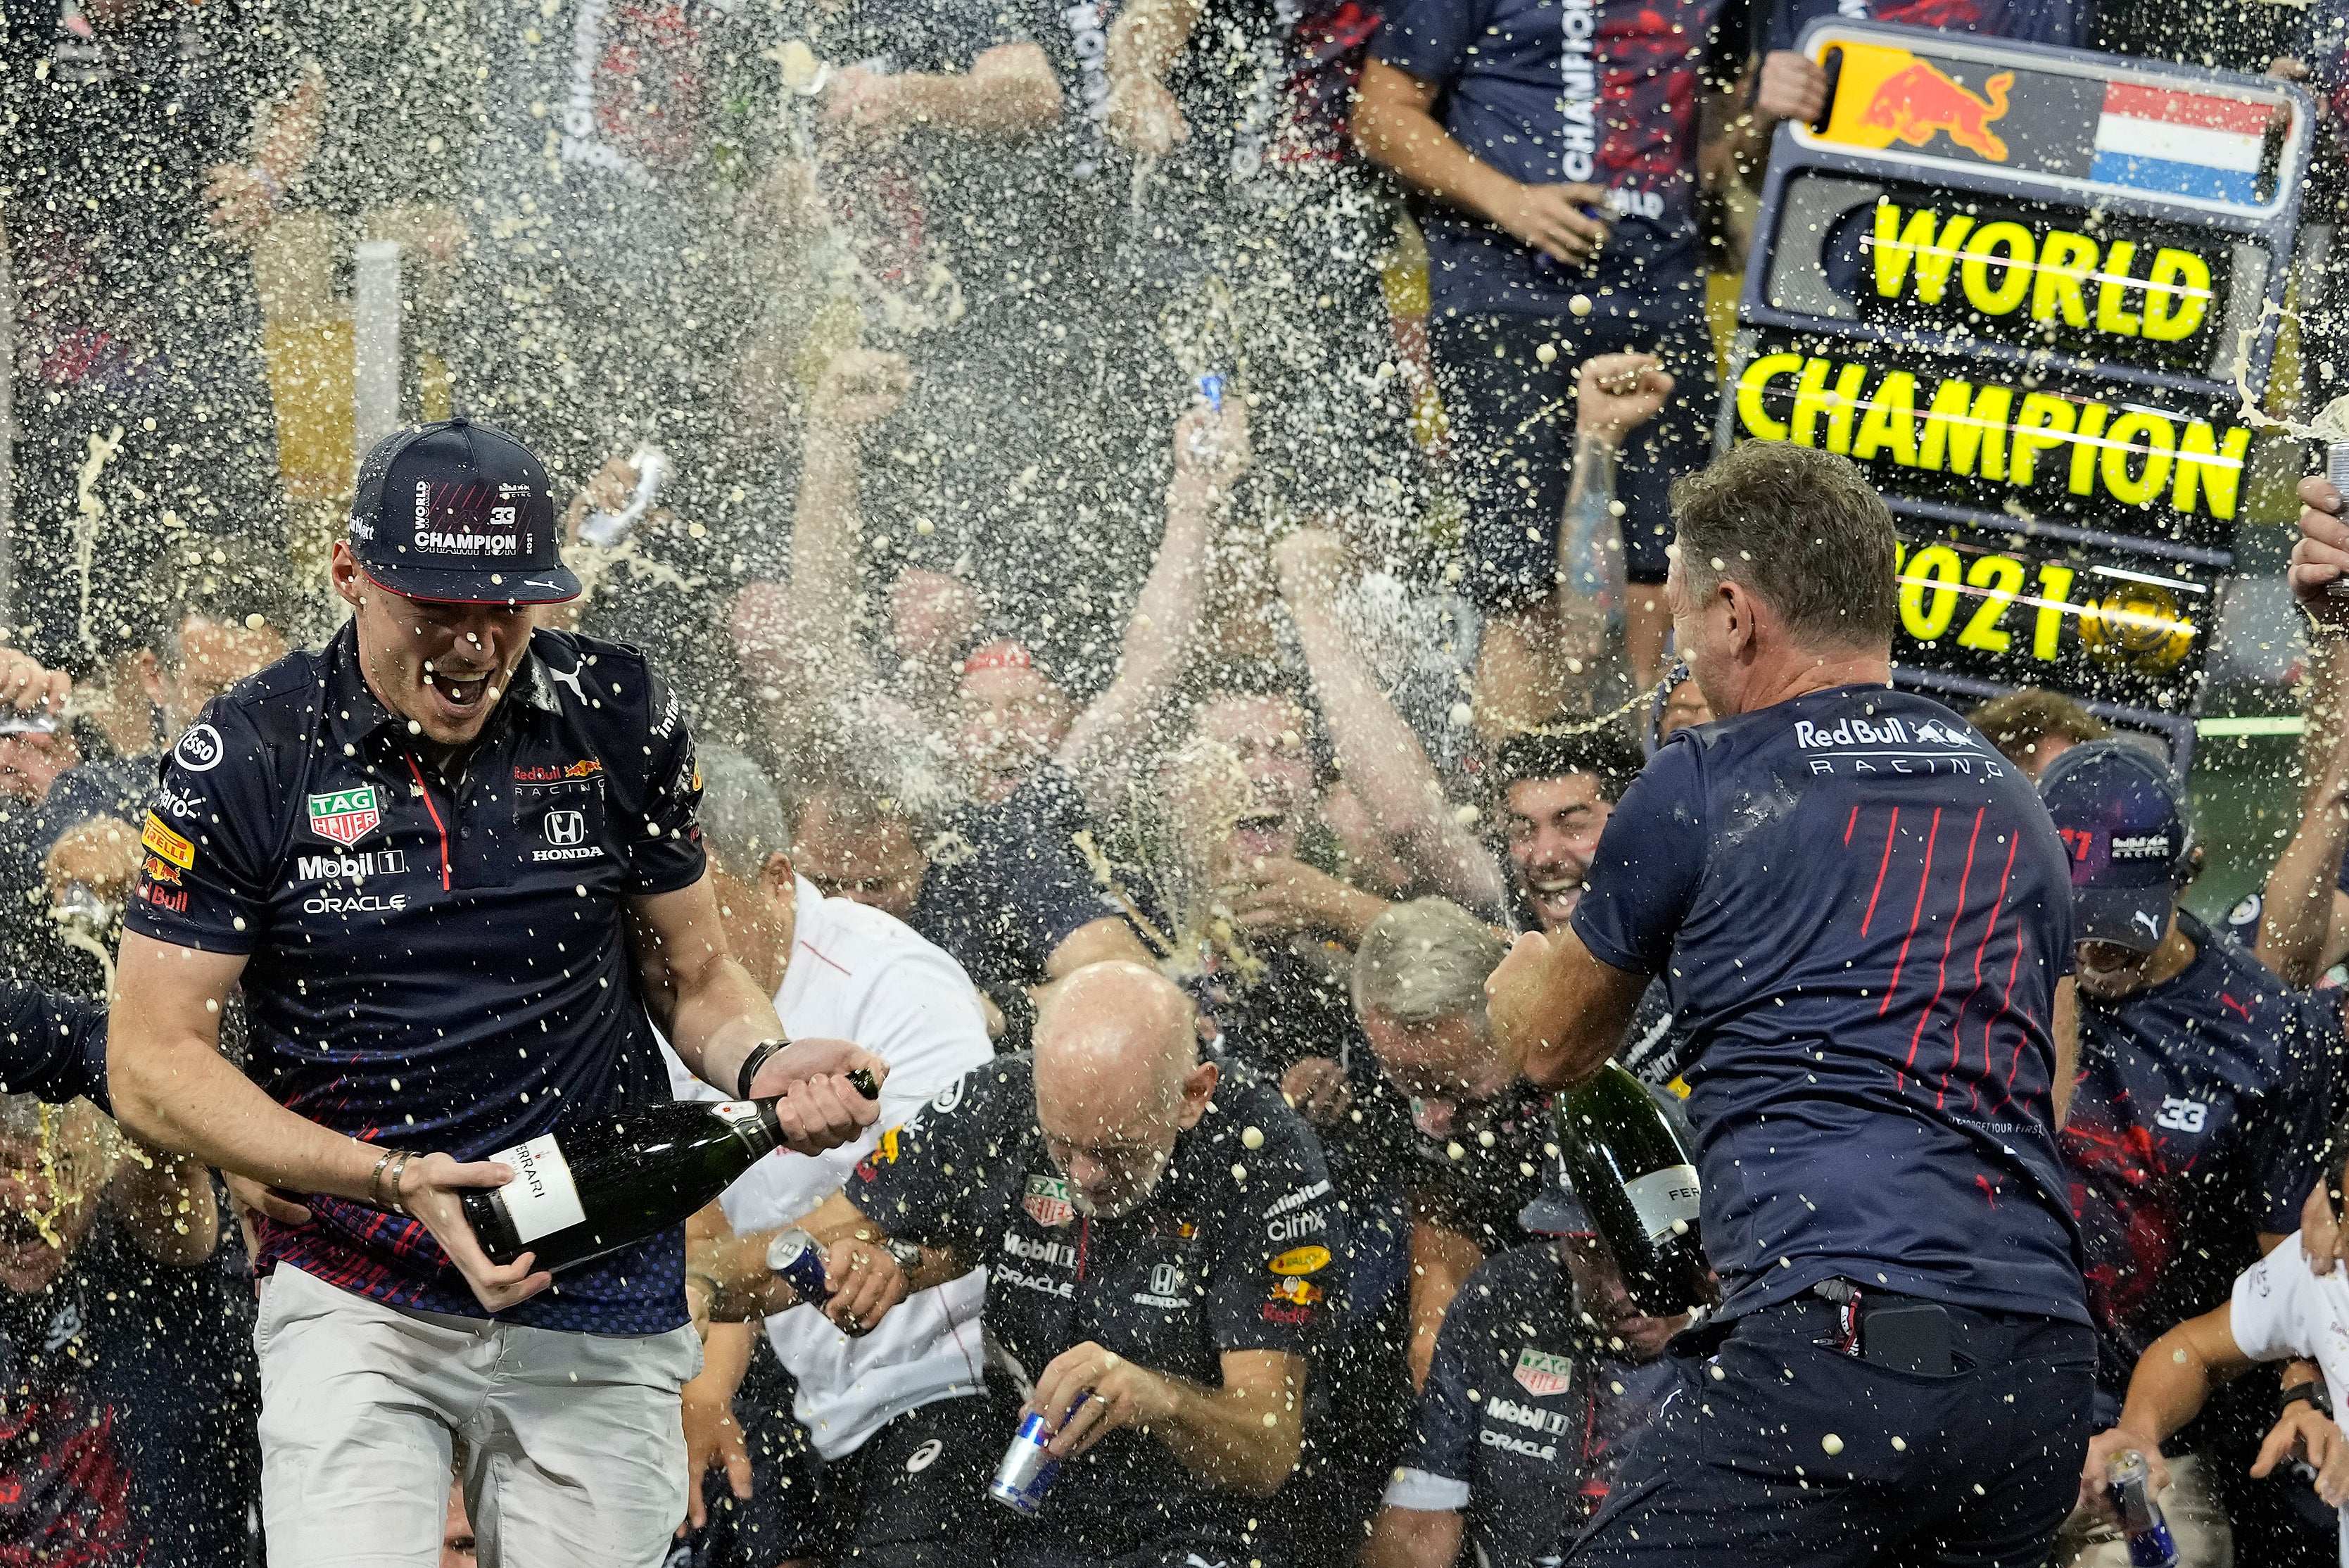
x=1557, y=146
x=454, y=864
x=1863, y=916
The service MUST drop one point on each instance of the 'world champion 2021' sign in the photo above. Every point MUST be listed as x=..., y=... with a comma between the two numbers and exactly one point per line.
x=2012, y=283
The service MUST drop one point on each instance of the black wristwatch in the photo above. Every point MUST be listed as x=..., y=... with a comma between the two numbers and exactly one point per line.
x=2313, y=1391
x=753, y=1062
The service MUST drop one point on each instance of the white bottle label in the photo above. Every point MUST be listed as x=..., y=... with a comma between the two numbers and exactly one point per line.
x=1666, y=1200
x=736, y=1112
x=542, y=1198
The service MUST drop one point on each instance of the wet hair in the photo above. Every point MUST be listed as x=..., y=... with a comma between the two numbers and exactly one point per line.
x=2021, y=720
x=741, y=816
x=223, y=580
x=854, y=803
x=1607, y=754
x=1802, y=529
x=1424, y=961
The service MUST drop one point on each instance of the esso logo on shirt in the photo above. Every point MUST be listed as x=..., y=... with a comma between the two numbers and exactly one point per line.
x=200, y=751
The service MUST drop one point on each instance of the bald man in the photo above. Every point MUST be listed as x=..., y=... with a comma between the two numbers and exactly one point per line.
x=1160, y=1235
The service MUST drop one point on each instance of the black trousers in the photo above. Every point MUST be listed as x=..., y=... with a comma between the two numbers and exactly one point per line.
x=1777, y=1448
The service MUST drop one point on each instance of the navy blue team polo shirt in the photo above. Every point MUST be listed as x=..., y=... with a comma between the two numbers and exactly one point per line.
x=2200, y=1120
x=1603, y=92
x=437, y=967
x=1861, y=912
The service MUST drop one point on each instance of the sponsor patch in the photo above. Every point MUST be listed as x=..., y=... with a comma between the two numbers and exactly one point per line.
x=1047, y=1202
x=1543, y=1374
x=200, y=751
x=1300, y=1261
x=2142, y=847
x=344, y=817
x=158, y=871
x=881, y=1154
x=167, y=845
x=1296, y=1293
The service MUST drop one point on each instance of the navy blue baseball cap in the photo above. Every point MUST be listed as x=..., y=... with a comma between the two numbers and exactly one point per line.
x=460, y=512
x=2123, y=817
x=1555, y=1210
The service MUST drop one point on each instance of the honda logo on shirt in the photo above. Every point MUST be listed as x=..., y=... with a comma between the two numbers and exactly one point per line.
x=565, y=827
x=1165, y=1279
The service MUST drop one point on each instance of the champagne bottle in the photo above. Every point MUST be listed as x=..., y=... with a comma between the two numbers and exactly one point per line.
x=1635, y=1179
x=597, y=1190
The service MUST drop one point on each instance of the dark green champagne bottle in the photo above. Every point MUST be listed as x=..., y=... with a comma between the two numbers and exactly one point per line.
x=598, y=1189
x=1637, y=1183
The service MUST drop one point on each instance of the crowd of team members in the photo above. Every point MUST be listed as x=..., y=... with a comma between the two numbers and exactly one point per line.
x=1156, y=862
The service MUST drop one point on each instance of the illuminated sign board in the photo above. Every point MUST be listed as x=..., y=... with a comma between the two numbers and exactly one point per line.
x=2012, y=283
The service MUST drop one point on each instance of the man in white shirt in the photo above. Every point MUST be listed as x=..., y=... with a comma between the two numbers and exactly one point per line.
x=2280, y=1310
x=905, y=1440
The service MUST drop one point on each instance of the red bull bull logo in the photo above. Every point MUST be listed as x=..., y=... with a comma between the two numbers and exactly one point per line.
x=1886, y=95
x=1916, y=103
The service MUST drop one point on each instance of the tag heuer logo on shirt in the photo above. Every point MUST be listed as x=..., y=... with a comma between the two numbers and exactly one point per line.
x=1542, y=1374
x=1048, y=1200
x=344, y=817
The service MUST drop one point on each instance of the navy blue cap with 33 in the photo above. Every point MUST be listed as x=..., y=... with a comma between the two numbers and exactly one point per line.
x=460, y=512
x=2123, y=818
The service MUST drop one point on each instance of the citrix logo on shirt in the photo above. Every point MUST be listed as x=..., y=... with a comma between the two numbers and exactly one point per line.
x=1578, y=75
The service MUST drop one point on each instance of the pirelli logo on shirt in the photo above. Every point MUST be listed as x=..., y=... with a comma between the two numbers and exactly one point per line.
x=167, y=845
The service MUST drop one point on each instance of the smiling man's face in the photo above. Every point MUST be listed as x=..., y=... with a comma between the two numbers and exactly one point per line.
x=441, y=666
x=1554, y=826
x=49, y=1187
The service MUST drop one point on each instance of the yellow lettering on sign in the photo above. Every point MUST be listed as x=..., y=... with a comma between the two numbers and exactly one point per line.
x=2202, y=461
x=1892, y=417
x=1810, y=396
x=2084, y=448
x=2110, y=317
x=1899, y=245
x=1842, y=403
x=2064, y=260
x=1964, y=431
x=2046, y=421
x=2138, y=431
x=2014, y=283
x=2055, y=597
x=2177, y=293
x=1928, y=591
x=1751, y=386
x=2000, y=578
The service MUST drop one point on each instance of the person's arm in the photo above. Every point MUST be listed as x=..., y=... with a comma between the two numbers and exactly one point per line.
x=1242, y=1435
x=1211, y=454
x=713, y=1014
x=1413, y=1538
x=864, y=1282
x=1010, y=92
x=247, y=198
x=167, y=1207
x=2063, y=1032
x=804, y=635
x=1377, y=753
x=2172, y=1380
x=1144, y=42
x=713, y=1436
x=2297, y=913
x=1441, y=1258
x=1615, y=394
x=1562, y=1008
x=52, y=1045
x=174, y=1091
x=1395, y=126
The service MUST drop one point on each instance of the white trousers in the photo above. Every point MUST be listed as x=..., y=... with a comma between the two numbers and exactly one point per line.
x=571, y=1447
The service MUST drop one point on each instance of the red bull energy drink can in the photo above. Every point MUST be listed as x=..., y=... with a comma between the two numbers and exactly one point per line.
x=2336, y=469
x=2130, y=1481
x=795, y=1256
x=1026, y=1471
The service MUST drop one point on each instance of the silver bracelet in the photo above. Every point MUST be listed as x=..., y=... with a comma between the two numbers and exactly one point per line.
x=375, y=1178
x=399, y=1172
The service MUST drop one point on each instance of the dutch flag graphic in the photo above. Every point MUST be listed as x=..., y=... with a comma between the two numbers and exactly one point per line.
x=2180, y=143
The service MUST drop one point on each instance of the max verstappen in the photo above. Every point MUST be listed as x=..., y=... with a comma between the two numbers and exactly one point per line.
x=453, y=863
